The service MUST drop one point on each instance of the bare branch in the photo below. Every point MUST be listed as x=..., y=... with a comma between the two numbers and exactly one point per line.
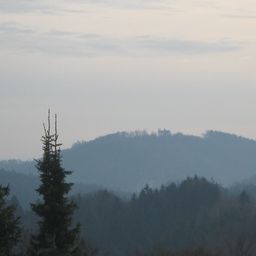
x=49, y=122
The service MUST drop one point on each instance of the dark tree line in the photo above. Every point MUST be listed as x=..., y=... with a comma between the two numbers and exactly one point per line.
x=195, y=213
x=193, y=218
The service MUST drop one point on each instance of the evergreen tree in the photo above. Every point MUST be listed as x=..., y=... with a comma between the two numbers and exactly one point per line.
x=9, y=224
x=56, y=235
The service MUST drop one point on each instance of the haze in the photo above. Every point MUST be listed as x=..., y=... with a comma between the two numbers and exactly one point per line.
x=107, y=66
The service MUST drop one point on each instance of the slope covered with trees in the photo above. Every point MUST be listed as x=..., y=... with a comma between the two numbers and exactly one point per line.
x=195, y=213
x=128, y=161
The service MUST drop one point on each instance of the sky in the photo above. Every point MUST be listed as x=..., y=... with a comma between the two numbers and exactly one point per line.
x=122, y=65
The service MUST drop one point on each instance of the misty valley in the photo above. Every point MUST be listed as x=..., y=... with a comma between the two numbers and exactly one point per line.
x=132, y=194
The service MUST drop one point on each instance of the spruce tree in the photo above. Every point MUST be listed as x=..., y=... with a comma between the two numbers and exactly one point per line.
x=9, y=224
x=56, y=235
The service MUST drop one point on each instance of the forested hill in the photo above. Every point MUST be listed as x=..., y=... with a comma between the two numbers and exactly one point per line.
x=128, y=161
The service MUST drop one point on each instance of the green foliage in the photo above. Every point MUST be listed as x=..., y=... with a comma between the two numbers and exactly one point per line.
x=174, y=216
x=56, y=235
x=9, y=224
x=187, y=252
x=195, y=213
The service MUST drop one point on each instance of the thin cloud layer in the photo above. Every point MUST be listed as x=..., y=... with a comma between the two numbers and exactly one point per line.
x=12, y=28
x=59, y=6
x=14, y=36
x=128, y=3
x=21, y=6
x=179, y=46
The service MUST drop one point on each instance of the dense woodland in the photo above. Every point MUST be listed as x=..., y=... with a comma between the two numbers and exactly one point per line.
x=194, y=217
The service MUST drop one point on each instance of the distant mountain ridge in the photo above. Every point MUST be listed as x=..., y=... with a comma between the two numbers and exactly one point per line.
x=128, y=161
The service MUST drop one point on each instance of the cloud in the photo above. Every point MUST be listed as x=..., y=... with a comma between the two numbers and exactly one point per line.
x=237, y=16
x=28, y=6
x=137, y=4
x=8, y=28
x=179, y=46
x=15, y=37
x=20, y=6
x=55, y=6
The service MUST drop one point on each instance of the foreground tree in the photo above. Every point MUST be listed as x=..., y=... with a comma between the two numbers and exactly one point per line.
x=56, y=235
x=9, y=224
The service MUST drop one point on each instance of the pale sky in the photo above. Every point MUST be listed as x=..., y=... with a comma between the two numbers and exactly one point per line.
x=123, y=65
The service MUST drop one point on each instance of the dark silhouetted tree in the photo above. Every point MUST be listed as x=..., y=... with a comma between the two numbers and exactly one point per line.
x=57, y=235
x=9, y=224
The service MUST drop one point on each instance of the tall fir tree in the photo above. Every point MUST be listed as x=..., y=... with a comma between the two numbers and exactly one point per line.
x=9, y=224
x=56, y=235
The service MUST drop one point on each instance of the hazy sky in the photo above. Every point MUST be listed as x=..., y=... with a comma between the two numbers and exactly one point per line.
x=114, y=65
